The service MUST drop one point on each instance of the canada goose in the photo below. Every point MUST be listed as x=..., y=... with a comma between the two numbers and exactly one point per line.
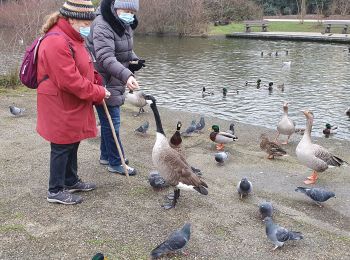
x=270, y=87
x=171, y=165
x=271, y=148
x=286, y=126
x=221, y=138
x=312, y=155
x=137, y=99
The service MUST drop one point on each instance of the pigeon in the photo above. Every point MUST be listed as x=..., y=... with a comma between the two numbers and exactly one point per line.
x=143, y=128
x=231, y=129
x=99, y=256
x=156, y=181
x=191, y=129
x=318, y=195
x=266, y=210
x=16, y=111
x=278, y=235
x=221, y=157
x=175, y=243
x=201, y=124
x=244, y=187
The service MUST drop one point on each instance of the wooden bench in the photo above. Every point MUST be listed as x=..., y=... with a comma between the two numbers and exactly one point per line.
x=262, y=23
x=329, y=25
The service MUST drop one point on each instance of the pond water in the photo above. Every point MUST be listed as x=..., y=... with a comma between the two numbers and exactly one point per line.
x=318, y=79
x=178, y=68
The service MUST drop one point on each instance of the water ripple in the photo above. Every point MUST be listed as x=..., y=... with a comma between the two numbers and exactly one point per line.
x=318, y=79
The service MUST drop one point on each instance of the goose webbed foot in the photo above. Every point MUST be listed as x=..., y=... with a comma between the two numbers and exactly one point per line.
x=172, y=200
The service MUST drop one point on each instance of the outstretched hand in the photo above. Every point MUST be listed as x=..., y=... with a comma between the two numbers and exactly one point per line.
x=132, y=83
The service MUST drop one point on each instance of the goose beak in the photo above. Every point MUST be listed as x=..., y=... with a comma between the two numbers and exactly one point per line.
x=305, y=112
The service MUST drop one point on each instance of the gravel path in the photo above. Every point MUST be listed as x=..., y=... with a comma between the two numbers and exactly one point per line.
x=124, y=219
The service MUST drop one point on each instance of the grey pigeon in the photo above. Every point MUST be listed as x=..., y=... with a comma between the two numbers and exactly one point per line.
x=201, y=124
x=278, y=235
x=221, y=157
x=156, y=181
x=232, y=129
x=191, y=129
x=244, y=187
x=318, y=195
x=16, y=110
x=143, y=128
x=266, y=210
x=175, y=243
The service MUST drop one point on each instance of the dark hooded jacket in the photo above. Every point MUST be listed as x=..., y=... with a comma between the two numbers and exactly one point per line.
x=110, y=43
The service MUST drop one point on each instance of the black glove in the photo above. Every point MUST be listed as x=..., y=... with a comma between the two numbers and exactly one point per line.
x=136, y=65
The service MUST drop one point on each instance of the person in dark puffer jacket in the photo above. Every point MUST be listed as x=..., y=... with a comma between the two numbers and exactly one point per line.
x=111, y=44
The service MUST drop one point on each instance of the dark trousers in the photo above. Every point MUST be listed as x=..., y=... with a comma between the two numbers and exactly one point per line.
x=63, y=166
x=108, y=146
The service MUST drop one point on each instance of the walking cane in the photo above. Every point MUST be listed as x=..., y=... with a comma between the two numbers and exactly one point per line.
x=115, y=138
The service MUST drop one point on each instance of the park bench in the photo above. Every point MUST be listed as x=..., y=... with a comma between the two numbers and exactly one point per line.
x=262, y=23
x=329, y=25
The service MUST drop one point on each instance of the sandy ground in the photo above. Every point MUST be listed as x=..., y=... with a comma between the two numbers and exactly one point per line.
x=125, y=221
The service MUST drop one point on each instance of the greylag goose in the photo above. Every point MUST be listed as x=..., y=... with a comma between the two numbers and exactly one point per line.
x=137, y=99
x=171, y=165
x=312, y=155
x=286, y=126
x=271, y=148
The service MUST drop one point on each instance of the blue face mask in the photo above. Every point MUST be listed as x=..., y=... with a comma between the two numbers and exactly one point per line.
x=84, y=31
x=127, y=18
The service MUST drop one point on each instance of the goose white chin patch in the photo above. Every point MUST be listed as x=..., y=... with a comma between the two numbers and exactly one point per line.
x=183, y=186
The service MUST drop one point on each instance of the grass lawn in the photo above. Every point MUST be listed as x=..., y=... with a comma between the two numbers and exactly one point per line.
x=273, y=27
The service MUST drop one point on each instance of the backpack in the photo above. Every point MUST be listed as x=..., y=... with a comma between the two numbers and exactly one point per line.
x=28, y=72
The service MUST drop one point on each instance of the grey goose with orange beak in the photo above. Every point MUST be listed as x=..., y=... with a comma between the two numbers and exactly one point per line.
x=312, y=155
x=171, y=165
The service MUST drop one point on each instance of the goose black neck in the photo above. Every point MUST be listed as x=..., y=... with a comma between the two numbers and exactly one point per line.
x=157, y=118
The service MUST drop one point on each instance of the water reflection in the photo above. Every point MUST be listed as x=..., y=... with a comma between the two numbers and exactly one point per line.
x=318, y=79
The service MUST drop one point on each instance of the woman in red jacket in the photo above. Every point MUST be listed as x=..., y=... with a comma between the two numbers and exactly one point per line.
x=67, y=91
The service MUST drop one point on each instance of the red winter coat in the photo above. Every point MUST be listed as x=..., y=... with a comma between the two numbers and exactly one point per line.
x=65, y=99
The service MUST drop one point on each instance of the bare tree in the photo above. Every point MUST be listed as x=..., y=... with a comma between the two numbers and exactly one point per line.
x=341, y=7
